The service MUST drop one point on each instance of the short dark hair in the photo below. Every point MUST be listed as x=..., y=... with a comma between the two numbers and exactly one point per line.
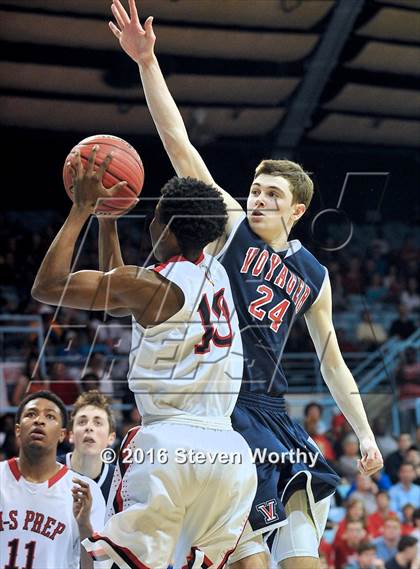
x=195, y=212
x=44, y=395
x=416, y=514
x=366, y=547
x=406, y=463
x=406, y=541
x=312, y=404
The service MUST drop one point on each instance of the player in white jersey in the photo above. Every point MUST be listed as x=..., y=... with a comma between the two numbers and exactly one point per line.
x=186, y=367
x=43, y=514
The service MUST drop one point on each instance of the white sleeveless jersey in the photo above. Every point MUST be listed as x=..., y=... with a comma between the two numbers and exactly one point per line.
x=37, y=526
x=189, y=368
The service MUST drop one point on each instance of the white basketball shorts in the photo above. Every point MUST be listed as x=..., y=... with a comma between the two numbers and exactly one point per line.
x=183, y=499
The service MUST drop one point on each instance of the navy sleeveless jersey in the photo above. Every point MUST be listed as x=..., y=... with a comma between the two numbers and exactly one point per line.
x=104, y=480
x=270, y=290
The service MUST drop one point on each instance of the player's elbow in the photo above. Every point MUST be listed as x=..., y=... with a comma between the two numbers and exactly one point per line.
x=176, y=142
x=332, y=370
x=44, y=293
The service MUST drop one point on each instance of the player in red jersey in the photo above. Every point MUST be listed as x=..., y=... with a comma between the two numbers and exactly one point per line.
x=45, y=508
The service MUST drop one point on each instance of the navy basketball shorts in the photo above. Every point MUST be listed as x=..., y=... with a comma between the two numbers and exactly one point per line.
x=286, y=458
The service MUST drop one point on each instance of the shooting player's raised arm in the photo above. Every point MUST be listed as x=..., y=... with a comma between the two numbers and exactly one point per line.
x=138, y=42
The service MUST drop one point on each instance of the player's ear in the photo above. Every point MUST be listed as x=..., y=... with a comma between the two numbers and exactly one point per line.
x=298, y=210
x=71, y=437
x=111, y=438
x=17, y=430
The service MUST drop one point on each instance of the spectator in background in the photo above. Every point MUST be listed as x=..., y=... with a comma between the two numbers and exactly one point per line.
x=382, y=480
x=405, y=491
x=352, y=279
x=346, y=549
x=62, y=384
x=348, y=463
x=376, y=291
x=316, y=428
x=416, y=532
x=30, y=381
x=344, y=342
x=97, y=365
x=407, y=525
x=376, y=521
x=413, y=457
x=410, y=297
x=408, y=251
x=366, y=489
x=386, y=544
x=369, y=334
x=392, y=281
x=408, y=374
x=386, y=442
x=8, y=444
x=366, y=558
x=89, y=382
x=355, y=512
x=395, y=459
x=406, y=558
x=402, y=327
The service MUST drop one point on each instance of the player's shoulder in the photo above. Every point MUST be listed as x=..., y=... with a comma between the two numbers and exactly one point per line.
x=303, y=258
x=296, y=248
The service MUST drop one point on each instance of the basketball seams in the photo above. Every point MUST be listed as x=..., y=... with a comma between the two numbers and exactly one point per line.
x=135, y=156
x=127, y=167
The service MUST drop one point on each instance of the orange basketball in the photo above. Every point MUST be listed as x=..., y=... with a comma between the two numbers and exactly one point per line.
x=126, y=165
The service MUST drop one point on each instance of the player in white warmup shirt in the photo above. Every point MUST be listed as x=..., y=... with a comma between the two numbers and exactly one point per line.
x=43, y=514
x=185, y=370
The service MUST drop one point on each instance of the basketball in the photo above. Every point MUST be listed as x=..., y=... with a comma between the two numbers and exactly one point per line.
x=126, y=165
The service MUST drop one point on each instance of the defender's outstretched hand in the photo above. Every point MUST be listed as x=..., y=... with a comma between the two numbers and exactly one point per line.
x=87, y=183
x=371, y=460
x=136, y=41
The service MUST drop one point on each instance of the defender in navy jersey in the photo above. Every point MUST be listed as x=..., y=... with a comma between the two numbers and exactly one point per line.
x=92, y=429
x=273, y=281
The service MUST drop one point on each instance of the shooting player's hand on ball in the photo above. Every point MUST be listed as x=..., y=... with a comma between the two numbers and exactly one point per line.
x=88, y=189
x=371, y=460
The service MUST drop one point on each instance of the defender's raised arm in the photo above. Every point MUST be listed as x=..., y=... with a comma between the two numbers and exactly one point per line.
x=138, y=42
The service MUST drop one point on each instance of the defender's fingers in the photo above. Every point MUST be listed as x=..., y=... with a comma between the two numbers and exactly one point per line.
x=133, y=11
x=148, y=26
x=121, y=11
x=114, y=30
x=117, y=16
